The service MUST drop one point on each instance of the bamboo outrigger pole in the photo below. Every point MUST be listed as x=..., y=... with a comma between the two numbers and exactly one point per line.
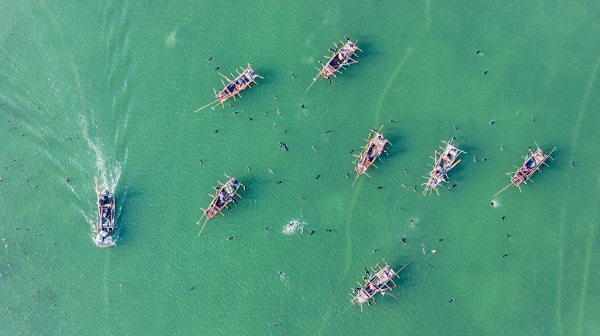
x=503, y=189
x=202, y=226
x=207, y=105
x=314, y=80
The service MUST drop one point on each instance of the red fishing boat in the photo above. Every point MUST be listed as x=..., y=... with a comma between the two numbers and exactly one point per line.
x=341, y=56
x=442, y=165
x=376, y=144
x=533, y=162
x=226, y=193
x=376, y=283
x=234, y=86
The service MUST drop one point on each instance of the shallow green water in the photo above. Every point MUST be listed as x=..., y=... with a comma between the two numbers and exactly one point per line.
x=123, y=78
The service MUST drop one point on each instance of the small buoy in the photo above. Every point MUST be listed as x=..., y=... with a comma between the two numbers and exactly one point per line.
x=433, y=251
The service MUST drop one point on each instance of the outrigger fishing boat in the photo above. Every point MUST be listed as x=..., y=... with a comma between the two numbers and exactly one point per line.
x=376, y=283
x=106, y=220
x=376, y=144
x=226, y=193
x=533, y=162
x=341, y=56
x=442, y=165
x=234, y=86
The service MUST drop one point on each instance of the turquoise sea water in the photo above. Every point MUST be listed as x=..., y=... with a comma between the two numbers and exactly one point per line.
x=122, y=80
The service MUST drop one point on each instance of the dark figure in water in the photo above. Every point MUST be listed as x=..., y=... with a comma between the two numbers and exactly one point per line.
x=210, y=58
x=191, y=288
x=275, y=325
x=68, y=179
x=328, y=131
x=431, y=266
x=507, y=235
x=279, y=182
x=375, y=250
x=380, y=187
x=532, y=118
x=348, y=175
x=485, y=72
x=216, y=131
x=573, y=164
x=393, y=120
x=293, y=76
x=318, y=176
x=399, y=209
x=303, y=106
x=217, y=68
x=505, y=255
x=478, y=51
x=404, y=240
x=352, y=151
x=249, y=119
x=367, y=271
x=442, y=239
x=370, y=304
x=230, y=105
x=230, y=238
x=302, y=198
x=327, y=230
x=503, y=216
x=312, y=232
x=451, y=300
x=266, y=229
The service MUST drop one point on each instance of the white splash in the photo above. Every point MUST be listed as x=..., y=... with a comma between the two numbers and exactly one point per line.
x=292, y=226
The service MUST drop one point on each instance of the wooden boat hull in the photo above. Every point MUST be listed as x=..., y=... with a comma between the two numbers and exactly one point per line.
x=106, y=220
x=236, y=85
x=532, y=164
x=377, y=283
x=376, y=145
x=225, y=195
x=233, y=87
x=447, y=160
x=340, y=58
